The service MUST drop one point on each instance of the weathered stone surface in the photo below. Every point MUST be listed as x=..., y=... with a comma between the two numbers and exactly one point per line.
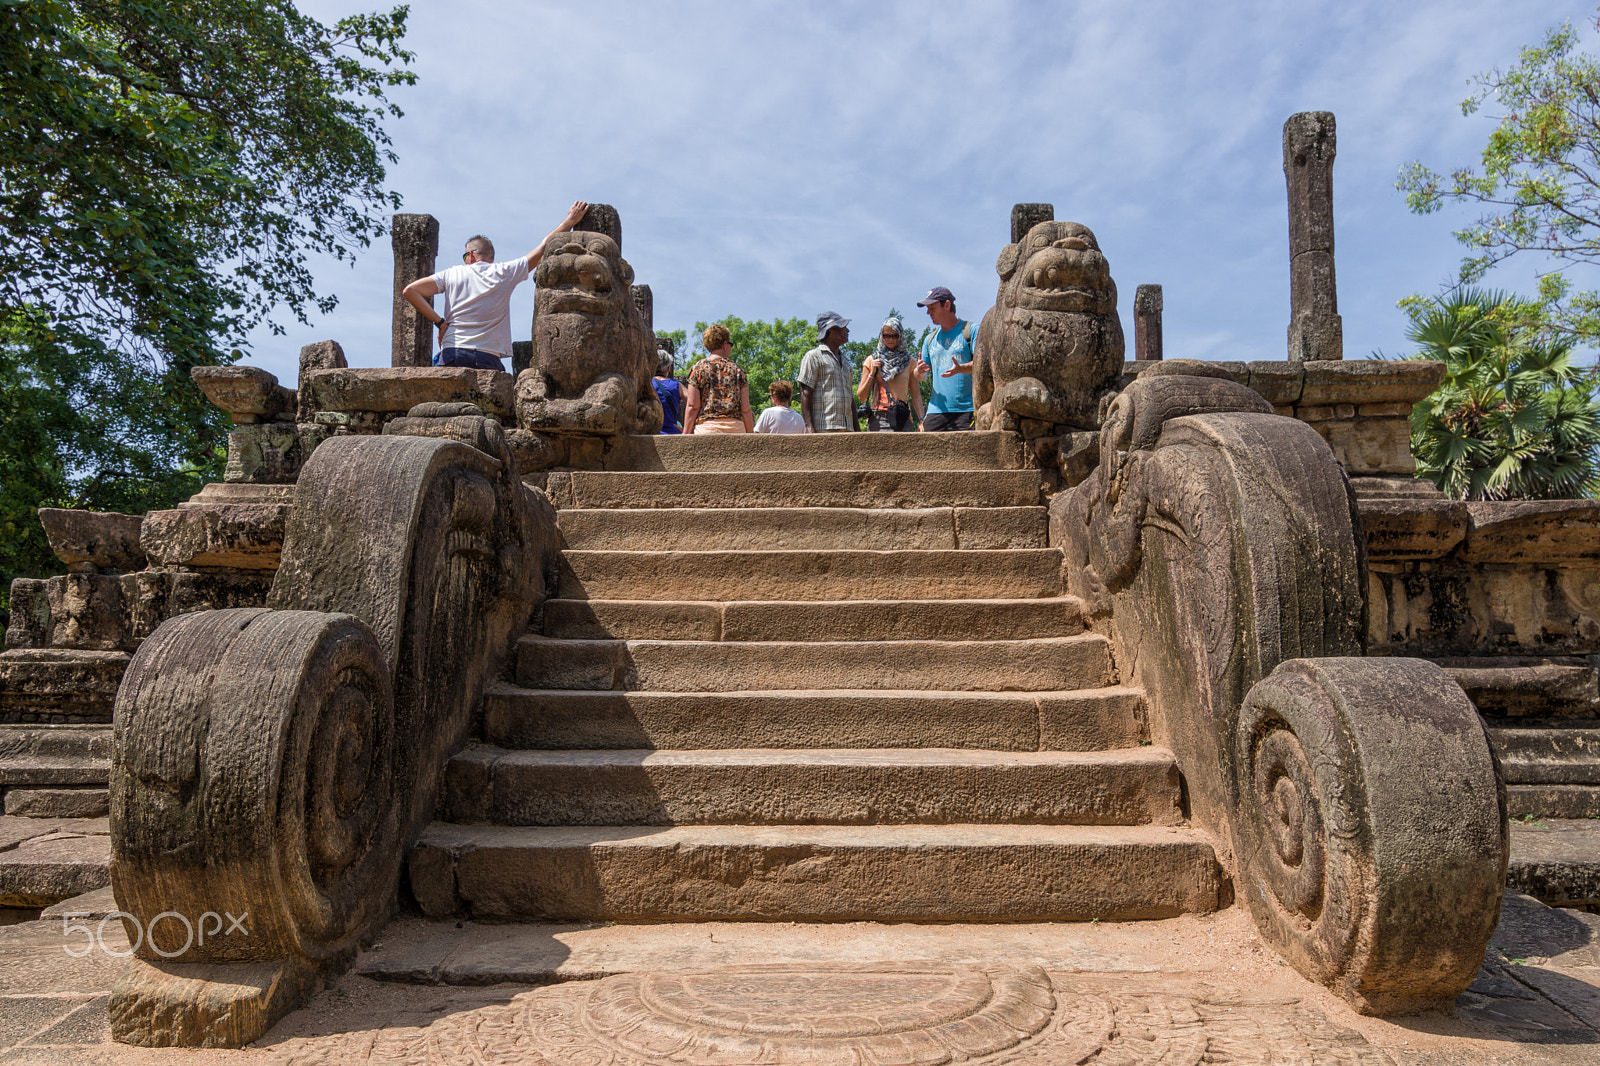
x=57, y=802
x=52, y=682
x=1041, y=665
x=323, y=355
x=1052, y=344
x=1411, y=528
x=230, y=536
x=593, y=345
x=1277, y=382
x=271, y=452
x=821, y=488
x=86, y=612
x=1368, y=381
x=1026, y=216
x=402, y=388
x=1147, y=305
x=1086, y=720
x=1238, y=373
x=276, y=761
x=415, y=241
x=1394, y=487
x=157, y=1003
x=98, y=540
x=534, y=451
x=812, y=787
x=247, y=393
x=1536, y=531
x=1383, y=884
x=751, y=453
x=1557, y=862
x=55, y=754
x=814, y=575
x=55, y=866
x=1370, y=446
x=966, y=619
x=1518, y=685
x=785, y=528
x=1315, y=329
x=1548, y=756
x=1448, y=607
x=825, y=873
x=1225, y=545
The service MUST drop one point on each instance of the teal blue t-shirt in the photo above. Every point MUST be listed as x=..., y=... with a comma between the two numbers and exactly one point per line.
x=951, y=395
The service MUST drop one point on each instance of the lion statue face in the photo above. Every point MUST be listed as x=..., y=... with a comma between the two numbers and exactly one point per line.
x=1057, y=267
x=590, y=338
x=1052, y=343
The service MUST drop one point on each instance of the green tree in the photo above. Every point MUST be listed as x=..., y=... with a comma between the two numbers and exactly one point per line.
x=1515, y=417
x=1539, y=179
x=165, y=170
x=768, y=351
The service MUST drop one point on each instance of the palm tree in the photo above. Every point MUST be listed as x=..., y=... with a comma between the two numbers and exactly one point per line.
x=1516, y=417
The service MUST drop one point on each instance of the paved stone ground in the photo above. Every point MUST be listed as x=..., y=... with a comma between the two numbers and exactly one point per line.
x=1189, y=990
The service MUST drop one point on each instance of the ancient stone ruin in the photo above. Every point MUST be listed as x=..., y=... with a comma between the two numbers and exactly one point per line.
x=1168, y=636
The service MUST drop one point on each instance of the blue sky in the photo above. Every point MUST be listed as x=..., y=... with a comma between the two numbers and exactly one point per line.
x=777, y=160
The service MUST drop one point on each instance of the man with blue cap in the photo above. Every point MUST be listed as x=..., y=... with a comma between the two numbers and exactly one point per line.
x=827, y=400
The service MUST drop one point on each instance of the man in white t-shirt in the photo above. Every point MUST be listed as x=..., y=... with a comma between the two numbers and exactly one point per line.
x=475, y=328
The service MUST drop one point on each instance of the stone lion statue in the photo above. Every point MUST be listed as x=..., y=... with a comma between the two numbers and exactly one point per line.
x=1052, y=345
x=594, y=354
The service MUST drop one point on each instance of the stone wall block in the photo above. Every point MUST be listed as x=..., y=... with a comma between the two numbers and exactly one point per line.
x=1535, y=531
x=86, y=612
x=1413, y=528
x=93, y=540
x=1278, y=381
x=271, y=453
x=1375, y=446
x=249, y=394
x=231, y=536
x=323, y=355
x=1366, y=381
x=398, y=389
x=29, y=626
x=48, y=684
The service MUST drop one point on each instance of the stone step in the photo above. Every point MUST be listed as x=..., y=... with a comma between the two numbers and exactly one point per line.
x=815, y=873
x=765, y=786
x=1099, y=719
x=1548, y=756
x=874, y=488
x=1022, y=573
x=816, y=451
x=793, y=528
x=55, y=754
x=1553, y=801
x=709, y=666
x=1557, y=861
x=46, y=860
x=1521, y=686
x=1057, y=616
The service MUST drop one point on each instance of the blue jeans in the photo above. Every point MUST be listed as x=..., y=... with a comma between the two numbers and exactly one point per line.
x=469, y=357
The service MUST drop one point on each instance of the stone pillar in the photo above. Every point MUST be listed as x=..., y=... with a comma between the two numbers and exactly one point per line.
x=1026, y=216
x=1315, y=329
x=1147, y=322
x=323, y=355
x=602, y=218
x=645, y=301
x=416, y=245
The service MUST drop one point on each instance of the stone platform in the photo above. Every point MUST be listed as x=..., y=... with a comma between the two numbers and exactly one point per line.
x=1185, y=991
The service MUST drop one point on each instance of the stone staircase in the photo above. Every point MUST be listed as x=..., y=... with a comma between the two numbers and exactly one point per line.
x=860, y=694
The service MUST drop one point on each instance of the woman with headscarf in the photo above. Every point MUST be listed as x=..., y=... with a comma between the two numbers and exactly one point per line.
x=891, y=381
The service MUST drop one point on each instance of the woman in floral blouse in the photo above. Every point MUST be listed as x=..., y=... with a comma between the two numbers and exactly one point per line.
x=719, y=392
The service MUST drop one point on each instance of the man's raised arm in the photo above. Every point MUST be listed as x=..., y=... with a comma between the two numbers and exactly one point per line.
x=574, y=216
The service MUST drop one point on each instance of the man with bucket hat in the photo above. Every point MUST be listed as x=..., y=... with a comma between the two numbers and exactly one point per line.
x=949, y=353
x=827, y=400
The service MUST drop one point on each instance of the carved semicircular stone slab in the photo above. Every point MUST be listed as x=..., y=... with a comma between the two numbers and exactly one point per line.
x=918, y=1014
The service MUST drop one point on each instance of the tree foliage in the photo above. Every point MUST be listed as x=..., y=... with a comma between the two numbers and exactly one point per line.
x=1515, y=417
x=1539, y=179
x=165, y=169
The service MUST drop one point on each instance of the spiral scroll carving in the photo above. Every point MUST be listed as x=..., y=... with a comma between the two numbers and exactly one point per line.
x=282, y=809
x=1370, y=827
